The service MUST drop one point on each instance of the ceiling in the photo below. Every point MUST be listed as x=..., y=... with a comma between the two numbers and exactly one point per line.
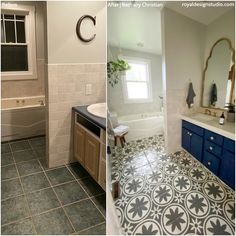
x=139, y=29
x=128, y=27
x=203, y=15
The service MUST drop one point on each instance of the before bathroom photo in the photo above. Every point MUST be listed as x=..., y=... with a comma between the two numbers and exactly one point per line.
x=117, y=117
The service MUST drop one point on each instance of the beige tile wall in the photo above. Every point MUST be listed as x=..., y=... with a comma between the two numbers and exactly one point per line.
x=66, y=88
x=25, y=88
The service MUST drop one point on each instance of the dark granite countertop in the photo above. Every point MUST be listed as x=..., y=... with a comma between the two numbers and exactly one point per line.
x=101, y=122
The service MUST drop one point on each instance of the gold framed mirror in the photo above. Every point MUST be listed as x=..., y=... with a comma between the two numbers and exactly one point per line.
x=219, y=76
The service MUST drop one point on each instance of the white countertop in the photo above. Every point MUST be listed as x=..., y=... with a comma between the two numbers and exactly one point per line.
x=211, y=123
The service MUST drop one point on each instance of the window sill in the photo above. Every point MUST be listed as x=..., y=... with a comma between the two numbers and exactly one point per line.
x=8, y=76
x=138, y=101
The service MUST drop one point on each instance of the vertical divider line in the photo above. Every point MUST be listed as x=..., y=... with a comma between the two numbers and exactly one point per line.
x=16, y=41
x=4, y=28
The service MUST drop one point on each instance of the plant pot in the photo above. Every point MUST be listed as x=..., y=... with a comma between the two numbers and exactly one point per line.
x=231, y=117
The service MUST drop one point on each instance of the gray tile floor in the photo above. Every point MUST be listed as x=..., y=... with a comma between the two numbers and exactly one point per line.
x=169, y=194
x=39, y=200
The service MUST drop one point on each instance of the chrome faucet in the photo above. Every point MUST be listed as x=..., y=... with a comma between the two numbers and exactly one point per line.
x=207, y=111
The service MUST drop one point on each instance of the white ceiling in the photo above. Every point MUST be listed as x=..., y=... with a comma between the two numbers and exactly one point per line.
x=128, y=27
x=203, y=15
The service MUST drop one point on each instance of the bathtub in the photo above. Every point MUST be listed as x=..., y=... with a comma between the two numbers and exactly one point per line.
x=22, y=117
x=143, y=125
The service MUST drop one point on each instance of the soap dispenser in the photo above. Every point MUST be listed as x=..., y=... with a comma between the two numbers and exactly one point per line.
x=222, y=119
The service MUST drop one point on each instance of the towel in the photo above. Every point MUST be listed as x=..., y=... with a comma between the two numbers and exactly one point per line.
x=213, y=96
x=191, y=95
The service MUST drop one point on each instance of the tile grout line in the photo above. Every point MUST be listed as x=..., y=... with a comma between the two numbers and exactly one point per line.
x=87, y=193
x=91, y=227
x=98, y=208
x=71, y=181
x=62, y=206
x=30, y=215
x=59, y=201
x=41, y=213
x=55, y=194
x=78, y=180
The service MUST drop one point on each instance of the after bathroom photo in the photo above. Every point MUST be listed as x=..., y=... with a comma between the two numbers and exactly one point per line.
x=171, y=118
x=53, y=126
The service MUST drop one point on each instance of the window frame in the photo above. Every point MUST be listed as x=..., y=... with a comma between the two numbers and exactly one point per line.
x=30, y=41
x=148, y=81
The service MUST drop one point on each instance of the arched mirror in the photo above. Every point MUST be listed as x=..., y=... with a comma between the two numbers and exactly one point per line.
x=219, y=76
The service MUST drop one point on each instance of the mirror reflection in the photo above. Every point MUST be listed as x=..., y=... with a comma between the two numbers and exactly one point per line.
x=218, y=80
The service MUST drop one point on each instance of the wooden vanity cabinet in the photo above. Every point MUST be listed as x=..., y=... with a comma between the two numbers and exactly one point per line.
x=90, y=148
x=79, y=141
x=91, y=155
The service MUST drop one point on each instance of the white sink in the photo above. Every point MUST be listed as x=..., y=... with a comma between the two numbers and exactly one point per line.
x=98, y=109
x=203, y=117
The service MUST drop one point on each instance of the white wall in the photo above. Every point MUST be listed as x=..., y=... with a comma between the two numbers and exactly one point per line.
x=115, y=94
x=186, y=44
x=223, y=26
x=63, y=43
x=183, y=47
x=71, y=65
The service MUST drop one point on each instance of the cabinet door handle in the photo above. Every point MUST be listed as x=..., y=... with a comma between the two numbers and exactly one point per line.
x=208, y=163
x=211, y=148
x=190, y=134
x=212, y=138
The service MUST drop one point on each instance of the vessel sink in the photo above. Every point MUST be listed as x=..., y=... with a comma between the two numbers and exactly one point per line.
x=203, y=117
x=98, y=109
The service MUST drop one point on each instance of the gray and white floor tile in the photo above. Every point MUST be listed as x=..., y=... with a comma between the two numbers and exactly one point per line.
x=169, y=194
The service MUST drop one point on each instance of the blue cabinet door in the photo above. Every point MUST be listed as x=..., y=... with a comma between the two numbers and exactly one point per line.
x=227, y=168
x=186, y=139
x=196, y=146
x=211, y=162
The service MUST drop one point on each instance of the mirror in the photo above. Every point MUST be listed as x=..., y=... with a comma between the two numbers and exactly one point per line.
x=219, y=76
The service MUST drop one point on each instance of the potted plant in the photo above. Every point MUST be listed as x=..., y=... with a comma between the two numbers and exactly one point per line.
x=231, y=112
x=114, y=70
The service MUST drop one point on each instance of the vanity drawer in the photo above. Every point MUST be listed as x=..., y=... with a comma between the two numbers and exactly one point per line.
x=213, y=148
x=194, y=128
x=229, y=144
x=211, y=162
x=213, y=137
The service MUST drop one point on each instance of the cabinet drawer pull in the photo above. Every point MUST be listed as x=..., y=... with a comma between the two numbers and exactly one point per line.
x=208, y=163
x=211, y=148
x=212, y=138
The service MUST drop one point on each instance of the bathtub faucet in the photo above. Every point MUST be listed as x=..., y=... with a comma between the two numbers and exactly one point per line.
x=41, y=102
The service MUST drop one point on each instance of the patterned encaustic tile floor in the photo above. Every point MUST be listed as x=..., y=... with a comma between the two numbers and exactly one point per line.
x=169, y=194
x=39, y=200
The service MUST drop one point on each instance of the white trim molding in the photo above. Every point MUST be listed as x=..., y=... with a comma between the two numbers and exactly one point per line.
x=148, y=81
x=29, y=12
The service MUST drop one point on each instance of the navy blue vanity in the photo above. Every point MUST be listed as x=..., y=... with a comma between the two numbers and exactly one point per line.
x=215, y=151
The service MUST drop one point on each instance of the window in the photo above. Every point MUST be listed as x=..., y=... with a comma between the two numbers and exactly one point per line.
x=137, y=86
x=18, y=52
